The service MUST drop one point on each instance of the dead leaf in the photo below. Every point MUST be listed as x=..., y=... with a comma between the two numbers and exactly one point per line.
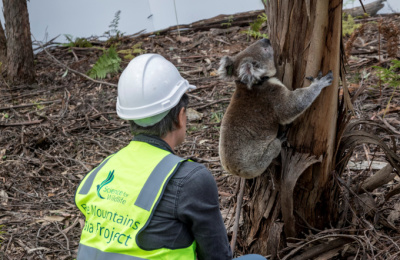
x=204, y=141
x=394, y=214
x=81, y=223
x=183, y=39
x=177, y=58
x=213, y=73
x=3, y=197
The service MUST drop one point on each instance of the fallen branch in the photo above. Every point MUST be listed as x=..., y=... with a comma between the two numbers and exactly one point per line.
x=383, y=176
x=322, y=248
x=30, y=105
x=220, y=21
x=394, y=191
x=72, y=70
x=389, y=125
x=344, y=239
x=47, y=43
x=22, y=123
x=370, y=9
x=237, y=214
x=198, y=106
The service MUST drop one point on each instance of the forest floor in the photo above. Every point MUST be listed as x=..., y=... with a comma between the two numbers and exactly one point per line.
x=54, y=132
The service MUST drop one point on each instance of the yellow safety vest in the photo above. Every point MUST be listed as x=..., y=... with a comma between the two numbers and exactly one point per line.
x=118, y=199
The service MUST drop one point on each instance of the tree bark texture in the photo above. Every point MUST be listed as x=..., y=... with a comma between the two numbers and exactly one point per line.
x=300, y=193
x=3, y=48
x=20, y=65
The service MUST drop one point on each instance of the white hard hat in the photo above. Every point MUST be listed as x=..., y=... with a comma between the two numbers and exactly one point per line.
x=149, y=86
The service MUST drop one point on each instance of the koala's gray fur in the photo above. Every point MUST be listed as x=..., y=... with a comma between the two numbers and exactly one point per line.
x=248, y=141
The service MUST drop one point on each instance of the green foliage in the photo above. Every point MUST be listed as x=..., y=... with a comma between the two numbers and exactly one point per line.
x=38, y=105
x=258, y=23
x=129, y=54
x=229, y=23
x=2, y=226
x=348, y=2
x=109, y=62
x=390, y=76
x=114, y=24
x=5, y=115
x=256, y=26
x=114, y=34
x=216, y=117
x=78, y=42
x=192, y=128
x=348, y=24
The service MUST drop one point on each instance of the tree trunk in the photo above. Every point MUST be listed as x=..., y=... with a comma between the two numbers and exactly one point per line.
x=3, y=48
x=306, y=37
x=20, y=66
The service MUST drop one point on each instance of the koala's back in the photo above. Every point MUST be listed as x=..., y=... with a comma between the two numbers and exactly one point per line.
x=248, y=126
x=252, y=110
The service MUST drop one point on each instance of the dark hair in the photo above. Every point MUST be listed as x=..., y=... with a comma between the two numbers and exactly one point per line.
x=166, y=125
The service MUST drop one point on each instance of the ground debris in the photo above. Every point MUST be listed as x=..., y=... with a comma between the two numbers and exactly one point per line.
x=54, y=132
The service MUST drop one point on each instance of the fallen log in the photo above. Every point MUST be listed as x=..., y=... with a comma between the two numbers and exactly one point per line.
x=220, y=21
x=371, y=9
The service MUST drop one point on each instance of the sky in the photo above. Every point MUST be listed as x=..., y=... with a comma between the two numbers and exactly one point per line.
x=85, y=18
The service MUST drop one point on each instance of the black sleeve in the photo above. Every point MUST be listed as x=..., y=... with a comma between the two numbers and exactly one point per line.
x=198, y=207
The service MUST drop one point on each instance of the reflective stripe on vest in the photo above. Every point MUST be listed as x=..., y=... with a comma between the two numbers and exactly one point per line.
x=148, y=194
x=118, y=199
x=87, y=252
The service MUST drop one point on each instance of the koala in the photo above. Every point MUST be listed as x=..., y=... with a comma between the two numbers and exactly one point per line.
x=260, y=104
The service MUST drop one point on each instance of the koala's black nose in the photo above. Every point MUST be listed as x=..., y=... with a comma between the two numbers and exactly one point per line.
x=266, y=41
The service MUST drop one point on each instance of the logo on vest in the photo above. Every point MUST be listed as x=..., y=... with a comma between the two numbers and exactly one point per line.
x=114, y=195
x=108, y=180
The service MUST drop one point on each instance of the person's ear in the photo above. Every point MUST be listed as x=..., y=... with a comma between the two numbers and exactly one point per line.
x=181, y=117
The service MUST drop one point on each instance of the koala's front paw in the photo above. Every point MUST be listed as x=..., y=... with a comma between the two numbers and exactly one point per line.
x=322, y=81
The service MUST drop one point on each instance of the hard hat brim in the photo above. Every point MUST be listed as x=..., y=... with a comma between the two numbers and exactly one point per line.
x=161, y=106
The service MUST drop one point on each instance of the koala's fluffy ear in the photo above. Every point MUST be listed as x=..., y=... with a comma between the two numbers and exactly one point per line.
x=225, y=69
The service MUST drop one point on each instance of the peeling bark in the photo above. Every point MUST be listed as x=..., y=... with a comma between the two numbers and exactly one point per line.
x=294, y=164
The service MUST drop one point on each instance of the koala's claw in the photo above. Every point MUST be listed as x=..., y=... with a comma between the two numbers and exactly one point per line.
x=330, y=75
x=323, y=80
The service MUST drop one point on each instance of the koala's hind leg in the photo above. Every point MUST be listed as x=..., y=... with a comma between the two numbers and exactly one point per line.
x=270, y=153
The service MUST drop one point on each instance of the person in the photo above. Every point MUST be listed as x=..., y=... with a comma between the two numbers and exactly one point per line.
x=144, y=202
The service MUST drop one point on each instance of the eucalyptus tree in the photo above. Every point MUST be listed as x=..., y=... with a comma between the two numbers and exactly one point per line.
x=16, y=43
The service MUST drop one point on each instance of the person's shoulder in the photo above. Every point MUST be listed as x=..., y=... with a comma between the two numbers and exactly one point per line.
x=193, y=170
x=191, y=163
x=195, y=180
